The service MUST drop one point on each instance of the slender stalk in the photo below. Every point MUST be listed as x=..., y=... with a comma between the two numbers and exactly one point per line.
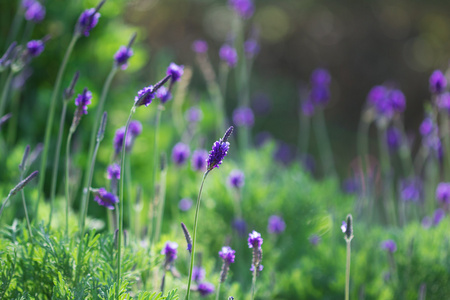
x=347, y=271
x=69, y=140
x=155, y=167
x=22, y=168
x=5, y=92
x=16, y=24
x=324, y=145
x=303, y=139
x=162, y=198
x=218, y=290
x=101, y=103
x=197, y=208
x=119, y=243
x=56, y=165
x=253, y=283
x=51, y=115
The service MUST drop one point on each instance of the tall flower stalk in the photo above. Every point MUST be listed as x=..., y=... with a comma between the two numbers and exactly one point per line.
x=87, y=21
x=22, y=169
x=254, y=242
x=347, y=229
x=217, y=154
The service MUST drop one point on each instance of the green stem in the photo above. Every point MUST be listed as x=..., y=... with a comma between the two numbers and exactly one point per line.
x=218, y=290
x=194, y=235
x=155, y=167
x=254, y=284
x=347, y=272
x=162, y=199
x=324, y=145
x=56, y=165
x=5, y=92
x=51, y=115
x=13, y=122
x=69, y=139
x=16, y=24
x=25, y=203
x=119, y=240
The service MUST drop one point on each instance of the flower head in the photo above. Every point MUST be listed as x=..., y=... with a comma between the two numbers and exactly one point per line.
x=307, y=108
x=227, y=254
x=314, y=239
x=193, y=114
x=87, y=21
x=427, y=126
x=389, y=245
x=240, y=226
x=163, y=94
x=135, y=128
x=200, y=46
x=347, y=228
x=244, y=8
x=219, y=150
x=118, y=140
x=276, y=224
x=319, y=95
x=397, y=100
x=205, y=288
x=411, y=190
x=105, y=198
x=180, y=154
x=393, y=138
x=254, y=240
x=438, y=215
x=35, y=47
x=251, y=48
x=229, y=55
x=443, y=192
x=198, y=160
x=113, y=172
x=34, y=11
x=185, y=204
x=438, y=82
x=83, y=100
x=121, y=57
x=176, y=71
x=236, y=179
x=170, y=251
x=243, y=116
x=376, y=94
x=198, y=274
x=145, y=96
x=320, y=77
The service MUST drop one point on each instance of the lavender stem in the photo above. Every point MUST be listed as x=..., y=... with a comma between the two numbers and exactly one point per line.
x=347, y=271
x=254, y=283
x=5, y=92
x=194, y=235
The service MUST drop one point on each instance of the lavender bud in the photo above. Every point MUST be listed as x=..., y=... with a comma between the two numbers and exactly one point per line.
x=200, y=46
x=35, y=48
x=146, y=95
x=244, y=8
x=170, y=251
x=205, y=289
x=4, y=119
x=113, y=172
x=68, y=92
x=244, y=117
x=198, y=274
x=88, y=20
x=443, y=192
x=180, y=154
x=389, y=245
x=104, y=198
x=228, y=256
x=185, y=204
x=35, y=12
x=236, y=179
x=229, y=55
x=187, y=236
x=101, y=129
x=198, y=160
x=438, y=82
x=24, y=158
x=22, y=184
x=36, y=152
x=176, y=71
x=347, y=228
x=276, y=224
x=6, y=59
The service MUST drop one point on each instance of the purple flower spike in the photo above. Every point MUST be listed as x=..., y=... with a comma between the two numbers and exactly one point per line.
x=185, y=204
x=411, y=190
x=240, y=226
x=219, y=150
x=393, y=138
x=229, y=55
x=118, y=140
x=397, y=100
x=389, y=245
x=244, y=8
x=121, y=57
x=145, y=96
x=170, y=251
x=105, y=198
x=34, y=12
x=194, y=114
x=83, y=100
x=308, y=108
x=113, y=172
x=135, y=128
x=35, y=47
x=276, y=224
x=254, y=240
x=243, y=116
x=260, y=268
x=251, y=48
x=200, y=46
x=198, y=160
x=176, y=71
x=205, y=288
x=427, y=126
x=438, y=215
x=198, y=274
x=227, y=254
x=180, y=154
x=314, y=239
x=87, y=21
x=163, y=94
x=320, y=77
x=443, y=192
x=438, y=82
x=27, y=3
x=377, y=93
x=319, y=95
x=236, y=179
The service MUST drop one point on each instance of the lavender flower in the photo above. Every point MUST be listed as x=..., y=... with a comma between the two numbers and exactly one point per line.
x=244, y=8
x=104, y=198
x=438, y=82
x=118, y=140
x=121, y=57
x=314, y=239
x=251, y=48
x=427, y=127
x=438, y=215
x=236, y=179
x=276, y=224
x=443, y=192
x=134, y=129
x=176, y=71
x=254, y=240
x=386, y=102
x=113, y=172
x=187, y=236
x=198, y=160
x=319, y=95
x=411, y=190
x=200, y=46
x=205, y=288
x=219, y=150
x=350, y=185
x=389, y=245
x=34, y=12
x=170, y=251
x=145, y=96
x=443, y=102
x=228, y=255
x=320, y=77
x=87, y=21
x=347, y=228
x=376, y=94
x=83, y=100
x=198, y=274
x=180, y=154
x=240, y=226
x=185, y=204
x=307, y=108
x=163, y=94
x=393, y=138
x=243, y=116
x=35, y=47
x=229, y=55
x=194, y=114
x=397, y=100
